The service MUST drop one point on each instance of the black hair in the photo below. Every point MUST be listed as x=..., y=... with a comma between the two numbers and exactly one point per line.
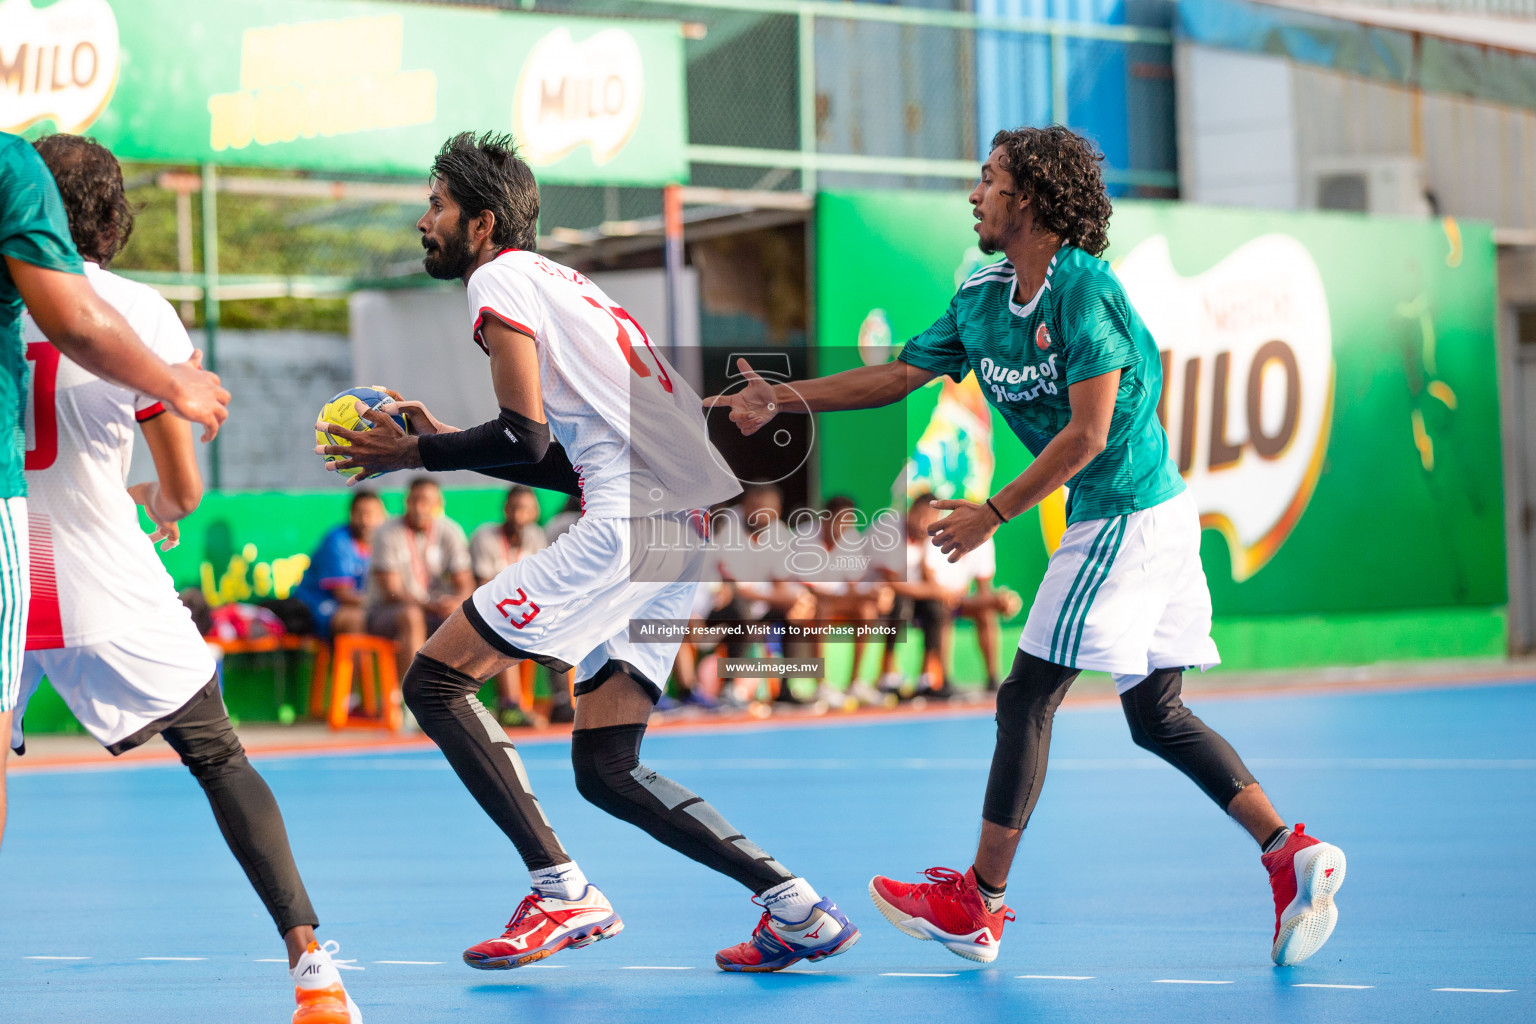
x=1059, y=171
x=923, y=498
x=485, y=173
x=422, y=481
x=838, y=502
x=518, y=490
x=91, y=183
x=361, y=495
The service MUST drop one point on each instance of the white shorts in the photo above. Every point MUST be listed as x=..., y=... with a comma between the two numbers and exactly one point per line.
x=124, y=691
x=1126, y=595
x=571, y=604
x=15, y=595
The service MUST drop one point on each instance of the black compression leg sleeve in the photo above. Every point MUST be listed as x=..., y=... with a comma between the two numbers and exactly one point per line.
x=444, y=703
x=1026, y=706
x=244, y=808
x=609, y=773
x=1161, y=723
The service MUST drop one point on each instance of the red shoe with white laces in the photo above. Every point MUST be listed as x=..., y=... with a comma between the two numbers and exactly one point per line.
x=544, y=925
x=948, y=908
x=1304, y=874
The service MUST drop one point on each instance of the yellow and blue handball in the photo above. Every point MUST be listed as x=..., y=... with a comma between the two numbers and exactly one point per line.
x=346, y=410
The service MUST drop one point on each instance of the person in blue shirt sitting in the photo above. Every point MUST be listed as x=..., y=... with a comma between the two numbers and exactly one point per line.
x=333, y=584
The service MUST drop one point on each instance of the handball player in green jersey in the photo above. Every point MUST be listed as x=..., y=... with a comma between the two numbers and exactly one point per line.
x=1066, y=361
x=42, y=272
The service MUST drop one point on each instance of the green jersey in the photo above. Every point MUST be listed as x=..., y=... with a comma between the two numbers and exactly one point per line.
x=33, y=229
x=1079, y=325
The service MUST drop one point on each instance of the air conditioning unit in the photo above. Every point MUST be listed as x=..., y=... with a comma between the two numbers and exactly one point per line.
x=1386, y=185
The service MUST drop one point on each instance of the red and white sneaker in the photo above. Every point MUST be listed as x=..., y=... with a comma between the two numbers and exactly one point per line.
x=947, y=908
x=544, y=925
x=1304, y=874
x=318, y=991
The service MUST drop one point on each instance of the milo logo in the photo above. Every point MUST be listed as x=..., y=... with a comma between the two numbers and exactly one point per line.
x=57, y=63
x=1247, y=359
x=574, y=94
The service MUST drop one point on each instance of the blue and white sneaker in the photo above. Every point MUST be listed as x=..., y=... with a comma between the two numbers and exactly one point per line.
x=774, y=945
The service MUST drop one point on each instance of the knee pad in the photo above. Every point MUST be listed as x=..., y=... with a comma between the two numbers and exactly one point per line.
x=1034, y=689
x=604, y=761
x=1153, y=710
x=428, y=684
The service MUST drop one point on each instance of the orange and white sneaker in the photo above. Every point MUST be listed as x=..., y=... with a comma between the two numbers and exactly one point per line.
x=318, y=990
x=544, y=925
x=1304, y=874
x=948, y=908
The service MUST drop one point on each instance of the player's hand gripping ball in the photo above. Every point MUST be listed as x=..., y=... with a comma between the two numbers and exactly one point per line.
x=346, y=410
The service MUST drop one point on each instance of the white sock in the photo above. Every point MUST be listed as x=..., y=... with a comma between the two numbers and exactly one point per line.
x=791, y=902
x=563, y=881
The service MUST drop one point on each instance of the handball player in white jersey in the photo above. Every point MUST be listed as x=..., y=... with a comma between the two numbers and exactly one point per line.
x=588, y=406
x=105, y=625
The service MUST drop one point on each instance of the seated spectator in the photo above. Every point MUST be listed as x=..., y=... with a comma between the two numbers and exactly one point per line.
x=937, y=591
x=493, y=547
x=754, y=550
x=333, y=586
x=564, y=519
x=839, y=581
x=420, y=572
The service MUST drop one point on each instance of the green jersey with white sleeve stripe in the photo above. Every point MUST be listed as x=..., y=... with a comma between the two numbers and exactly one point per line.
x=1079, y=325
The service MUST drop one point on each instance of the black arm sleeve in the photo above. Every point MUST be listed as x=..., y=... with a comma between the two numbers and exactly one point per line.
x=510, y=439
x=553, y=473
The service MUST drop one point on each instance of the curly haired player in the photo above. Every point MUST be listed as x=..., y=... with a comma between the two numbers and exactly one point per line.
x=1065, y=359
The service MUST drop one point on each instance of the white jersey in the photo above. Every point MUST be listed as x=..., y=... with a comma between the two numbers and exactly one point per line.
x=95, y=574
x=632, y=427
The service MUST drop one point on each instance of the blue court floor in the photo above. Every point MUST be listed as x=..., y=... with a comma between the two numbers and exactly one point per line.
x=1137, y=900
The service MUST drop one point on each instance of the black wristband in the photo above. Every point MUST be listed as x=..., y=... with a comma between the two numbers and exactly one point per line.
x=509, y=440
x=995, y=511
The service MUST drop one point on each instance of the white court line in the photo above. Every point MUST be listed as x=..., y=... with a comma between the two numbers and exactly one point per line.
x=910, y=974
x=1318, y=984
x=643, y=968
x=1187, y=981
x=271, y=961
x=186, y=959
x=1491, y=990
x=421, y=963
x=55, y=958
x=1057, y=977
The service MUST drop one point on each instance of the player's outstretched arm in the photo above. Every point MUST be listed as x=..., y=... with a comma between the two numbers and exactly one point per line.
x=88, y=330
x=864, y=387
x=178, y=487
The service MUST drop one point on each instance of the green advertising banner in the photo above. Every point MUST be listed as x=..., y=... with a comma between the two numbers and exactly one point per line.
x=1330, y=394
x=345, y=86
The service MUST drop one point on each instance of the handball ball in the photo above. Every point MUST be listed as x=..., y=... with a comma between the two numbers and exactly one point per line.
x=346, y=410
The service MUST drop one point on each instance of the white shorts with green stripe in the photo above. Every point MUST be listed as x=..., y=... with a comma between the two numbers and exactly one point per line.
x=1126, y=595
x=14, y=595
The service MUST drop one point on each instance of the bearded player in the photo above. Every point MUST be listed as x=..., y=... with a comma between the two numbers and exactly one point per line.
x=569, y=366
x=105, y=625
x=1070, y=366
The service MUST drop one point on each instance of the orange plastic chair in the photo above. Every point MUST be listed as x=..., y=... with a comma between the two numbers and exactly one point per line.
x=525, y=682
x=330, y=691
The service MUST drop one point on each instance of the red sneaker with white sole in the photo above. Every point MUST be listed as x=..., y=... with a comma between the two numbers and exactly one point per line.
x=544, y=925
x=1304, y=874
x=948, y=909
